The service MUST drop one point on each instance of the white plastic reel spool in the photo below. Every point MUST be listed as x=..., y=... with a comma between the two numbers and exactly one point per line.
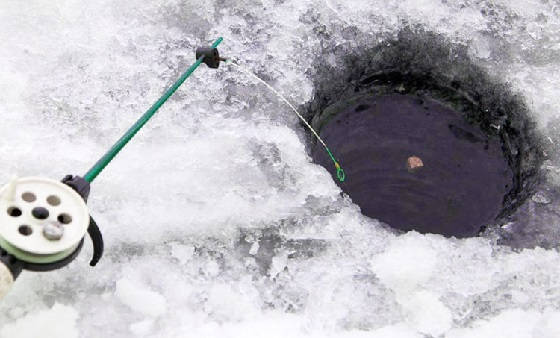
x=24, y=236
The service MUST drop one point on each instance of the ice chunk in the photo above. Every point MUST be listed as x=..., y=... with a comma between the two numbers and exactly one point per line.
x=140, y=298
x=409, y=261
x=279, y=263
x=142, y=328
x=56, y=322
x=394, y=331
x=427, y=314
x=231, y=303
x=513, y=323
x=183, y=252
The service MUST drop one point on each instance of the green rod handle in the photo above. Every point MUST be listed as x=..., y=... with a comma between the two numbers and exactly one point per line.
x=119, y=145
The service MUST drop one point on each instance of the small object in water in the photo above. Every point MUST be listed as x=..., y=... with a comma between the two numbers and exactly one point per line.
x=53, y=231
x=413, y=163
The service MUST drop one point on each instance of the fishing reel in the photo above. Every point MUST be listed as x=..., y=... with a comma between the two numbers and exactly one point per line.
x=43, y=223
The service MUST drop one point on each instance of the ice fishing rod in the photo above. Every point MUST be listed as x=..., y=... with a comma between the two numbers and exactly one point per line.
x=43, y=222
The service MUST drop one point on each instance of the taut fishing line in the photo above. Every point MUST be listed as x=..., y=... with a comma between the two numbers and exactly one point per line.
x=341, y=175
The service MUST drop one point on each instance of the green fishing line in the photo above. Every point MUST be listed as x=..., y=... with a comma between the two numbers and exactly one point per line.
x=340, y=174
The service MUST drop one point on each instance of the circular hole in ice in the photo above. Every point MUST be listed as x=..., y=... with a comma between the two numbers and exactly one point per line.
x=420, y=153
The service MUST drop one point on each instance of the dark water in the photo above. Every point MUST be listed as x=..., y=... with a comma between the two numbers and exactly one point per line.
x=461, y=185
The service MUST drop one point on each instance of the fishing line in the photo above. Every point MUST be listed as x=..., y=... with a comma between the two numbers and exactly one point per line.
x=341, y=175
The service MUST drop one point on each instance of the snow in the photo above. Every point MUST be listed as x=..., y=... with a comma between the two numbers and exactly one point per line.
x=513, y=323
x=216, y=222
x=406, y=263
x=58, y=321
x=139, y=298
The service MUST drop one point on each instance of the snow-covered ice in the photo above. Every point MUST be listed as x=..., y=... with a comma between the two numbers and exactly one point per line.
x=216, y=222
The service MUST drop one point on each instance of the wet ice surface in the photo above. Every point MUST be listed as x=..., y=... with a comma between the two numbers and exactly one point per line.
x=216, y=223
